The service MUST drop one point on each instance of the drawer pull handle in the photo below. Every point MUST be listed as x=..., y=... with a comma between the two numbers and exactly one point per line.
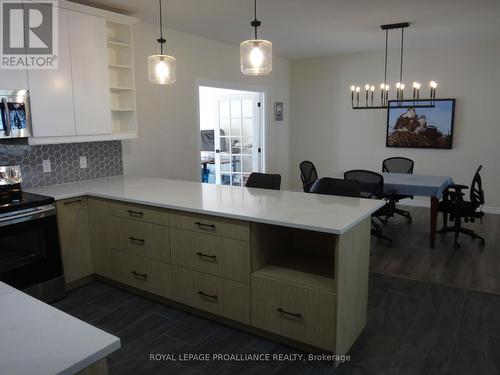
x=73, y=202
x=137, y=240
x=206, y=226
x=142, y=276
x=135, y=213
x=296, y=315
x=201, y=255
x=212, y=296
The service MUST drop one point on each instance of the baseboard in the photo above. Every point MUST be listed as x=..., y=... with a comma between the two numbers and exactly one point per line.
x=419, y=203
x=80, y=282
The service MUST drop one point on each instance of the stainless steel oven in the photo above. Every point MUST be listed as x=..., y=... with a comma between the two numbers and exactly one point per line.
x=15, y=114
x=30, y=257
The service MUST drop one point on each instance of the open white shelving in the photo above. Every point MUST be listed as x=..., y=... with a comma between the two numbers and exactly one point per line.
x=121, y=80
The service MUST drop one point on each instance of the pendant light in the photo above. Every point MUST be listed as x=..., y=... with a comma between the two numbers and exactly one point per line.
x=256, y=54
x=161, y=68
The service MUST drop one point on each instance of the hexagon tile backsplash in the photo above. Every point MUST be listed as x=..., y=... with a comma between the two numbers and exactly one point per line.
x=103, y=159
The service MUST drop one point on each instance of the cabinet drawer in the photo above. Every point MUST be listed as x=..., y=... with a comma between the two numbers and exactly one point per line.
x=300, y=313
x=238, y=230
x=150, y=240
x=218, y=296
x=140, y=213
x=211, y=254
x=142, y=273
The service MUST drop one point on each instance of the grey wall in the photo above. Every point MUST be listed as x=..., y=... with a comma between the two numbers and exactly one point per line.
x=103, y=159
x=169, y=135
x=325, y=130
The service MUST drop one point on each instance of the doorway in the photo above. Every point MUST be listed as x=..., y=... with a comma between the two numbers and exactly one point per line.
x=231, y=134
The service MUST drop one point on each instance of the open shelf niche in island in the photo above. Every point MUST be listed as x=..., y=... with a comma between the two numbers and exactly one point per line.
x=310, y=286
x=296, y=256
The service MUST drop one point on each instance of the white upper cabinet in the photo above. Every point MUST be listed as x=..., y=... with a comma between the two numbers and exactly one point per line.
x=88, y=49
x=51, y=92
x=13, y=79
x=86, y=98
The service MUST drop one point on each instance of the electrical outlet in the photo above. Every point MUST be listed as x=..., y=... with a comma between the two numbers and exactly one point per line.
x=83, y=162
x=46, y=166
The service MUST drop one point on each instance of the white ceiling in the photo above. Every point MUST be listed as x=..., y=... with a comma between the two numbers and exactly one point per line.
x=310, y=28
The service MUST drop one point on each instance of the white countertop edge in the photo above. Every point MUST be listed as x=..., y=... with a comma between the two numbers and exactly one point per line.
x=112, y=188
x=93, y=359
x=287, y=224
x=107, y=344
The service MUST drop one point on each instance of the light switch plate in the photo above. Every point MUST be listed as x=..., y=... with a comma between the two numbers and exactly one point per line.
x=46, y=166
x=83, y=162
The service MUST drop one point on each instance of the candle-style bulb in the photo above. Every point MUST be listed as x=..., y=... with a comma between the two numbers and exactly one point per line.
x=398, y=85
x=353, y=88
x=415, y=84
x=358, y=89
x=372, y=89
x=382, y=86
x=367, y=87
x=402, y=86
x=387, y=87
x=433, y=85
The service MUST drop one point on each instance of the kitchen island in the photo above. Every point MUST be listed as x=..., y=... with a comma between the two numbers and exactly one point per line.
x=38, y=339
x=288, y=264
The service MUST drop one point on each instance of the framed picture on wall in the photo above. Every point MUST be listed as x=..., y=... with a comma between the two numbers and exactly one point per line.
x=420, y=123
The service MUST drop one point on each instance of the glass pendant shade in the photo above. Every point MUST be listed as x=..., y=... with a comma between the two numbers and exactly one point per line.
x=161, y=69
x=256, y=57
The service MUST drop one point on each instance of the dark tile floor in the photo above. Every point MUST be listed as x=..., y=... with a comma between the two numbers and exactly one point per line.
x=413, y=328
x=469, y=267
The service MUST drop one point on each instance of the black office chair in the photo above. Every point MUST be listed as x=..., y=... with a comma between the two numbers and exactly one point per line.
x=336, y=186
x=308, y=175
x=264, y=181
x=399, y=165
x=454, y=205
x=371, y=185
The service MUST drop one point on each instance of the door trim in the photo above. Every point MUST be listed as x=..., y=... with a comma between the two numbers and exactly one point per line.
x=263, y=91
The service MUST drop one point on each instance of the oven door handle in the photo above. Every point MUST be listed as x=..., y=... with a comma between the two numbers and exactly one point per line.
x=7, y=127
x=32, y=215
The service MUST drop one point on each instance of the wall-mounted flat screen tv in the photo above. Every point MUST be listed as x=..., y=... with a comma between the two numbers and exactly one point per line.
x=420, y=123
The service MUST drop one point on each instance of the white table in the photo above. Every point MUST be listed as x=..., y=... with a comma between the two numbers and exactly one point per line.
x=38, y=339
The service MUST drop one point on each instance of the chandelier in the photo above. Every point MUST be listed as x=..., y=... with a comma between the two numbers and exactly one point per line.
x=371, y=98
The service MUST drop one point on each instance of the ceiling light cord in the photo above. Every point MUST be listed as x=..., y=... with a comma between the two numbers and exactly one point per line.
x=255, y=13
x=161, y=40
x=255, y=23
x=402, y=52
x=386, y=48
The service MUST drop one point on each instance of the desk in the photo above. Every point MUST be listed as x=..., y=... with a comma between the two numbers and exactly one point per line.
x=418, y=185
x=205, y=172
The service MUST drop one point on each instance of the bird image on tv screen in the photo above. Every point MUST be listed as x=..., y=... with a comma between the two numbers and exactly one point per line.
x=421, y=124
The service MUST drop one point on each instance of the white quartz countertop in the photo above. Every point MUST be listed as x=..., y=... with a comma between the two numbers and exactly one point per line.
x=330, y=214
x=38, y=339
